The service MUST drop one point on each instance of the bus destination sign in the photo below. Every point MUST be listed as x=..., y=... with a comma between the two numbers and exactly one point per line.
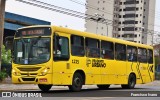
x=38, y=31
x=33, y=32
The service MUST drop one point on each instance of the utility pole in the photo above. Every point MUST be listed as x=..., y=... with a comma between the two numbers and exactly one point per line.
x=2, y=12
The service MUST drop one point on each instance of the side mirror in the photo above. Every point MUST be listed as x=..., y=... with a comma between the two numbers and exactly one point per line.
x=9, y=42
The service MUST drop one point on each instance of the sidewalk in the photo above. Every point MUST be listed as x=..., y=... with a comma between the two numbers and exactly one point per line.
x=6, y=85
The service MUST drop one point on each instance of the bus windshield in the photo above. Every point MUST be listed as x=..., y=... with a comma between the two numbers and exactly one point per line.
x=31, y=50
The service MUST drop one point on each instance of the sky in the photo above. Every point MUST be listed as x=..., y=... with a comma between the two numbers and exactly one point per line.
x=59, y=19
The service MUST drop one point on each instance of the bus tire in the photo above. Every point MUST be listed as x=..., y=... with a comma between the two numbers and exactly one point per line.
x=44, y=88
x=77, y=83
x=103, y=87
x=131, y=82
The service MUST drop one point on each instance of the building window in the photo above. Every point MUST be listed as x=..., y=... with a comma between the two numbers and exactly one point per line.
x=129, y=29
x=137, y=9
x=103, y=1
x=130, y=8
x=136, y=29
x=120, y=3
x=137, y=2
x=135, y=35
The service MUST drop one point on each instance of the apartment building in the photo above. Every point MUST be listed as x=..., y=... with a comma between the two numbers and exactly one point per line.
x=131, y=20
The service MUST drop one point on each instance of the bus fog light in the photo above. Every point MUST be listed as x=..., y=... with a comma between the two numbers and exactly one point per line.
x=43, y=80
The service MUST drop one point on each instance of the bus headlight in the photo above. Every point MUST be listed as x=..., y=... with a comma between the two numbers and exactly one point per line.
x=15, y=72
x=45, y=71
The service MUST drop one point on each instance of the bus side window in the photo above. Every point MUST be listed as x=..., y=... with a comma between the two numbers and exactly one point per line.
x=107, y=50
x=142, y=55
x=92, y=48
x=120, y=51
x=131, y=53
x=77, y=45
x=150, y=56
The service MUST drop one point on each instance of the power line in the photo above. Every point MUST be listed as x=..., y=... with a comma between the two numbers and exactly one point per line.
x=105, y=21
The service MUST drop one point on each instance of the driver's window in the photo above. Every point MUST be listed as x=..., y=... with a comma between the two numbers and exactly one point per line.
x=61, y=48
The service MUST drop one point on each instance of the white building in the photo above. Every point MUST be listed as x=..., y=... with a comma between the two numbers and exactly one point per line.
x=130, y=20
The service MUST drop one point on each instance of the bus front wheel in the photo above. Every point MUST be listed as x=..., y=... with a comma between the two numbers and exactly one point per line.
x=44, y=88
x=77, y=83
x=131, y=82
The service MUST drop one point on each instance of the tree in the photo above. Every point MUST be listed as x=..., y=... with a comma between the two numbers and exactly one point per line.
x=6, y=55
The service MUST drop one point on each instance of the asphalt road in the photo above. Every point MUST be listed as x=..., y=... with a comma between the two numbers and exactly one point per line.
x=115, y=92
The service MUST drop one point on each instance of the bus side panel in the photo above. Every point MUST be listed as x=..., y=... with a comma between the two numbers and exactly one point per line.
x=108, y=73
x=121, y=72
x=93, y=71
x=61, y=73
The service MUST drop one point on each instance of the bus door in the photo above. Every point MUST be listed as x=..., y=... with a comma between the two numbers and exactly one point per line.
x=121, y=63
x=61, y=59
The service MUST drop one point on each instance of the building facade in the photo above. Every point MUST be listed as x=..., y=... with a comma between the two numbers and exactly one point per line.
x=131, y=20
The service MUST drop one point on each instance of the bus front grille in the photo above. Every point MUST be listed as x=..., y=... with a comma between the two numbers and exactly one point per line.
x=26, y=74
x=29, y=69
x=28, y=79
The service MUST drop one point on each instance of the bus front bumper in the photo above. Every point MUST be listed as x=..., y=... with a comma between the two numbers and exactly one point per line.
x=47, y=79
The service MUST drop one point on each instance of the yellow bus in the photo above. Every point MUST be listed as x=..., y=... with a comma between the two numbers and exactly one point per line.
x=56, y=56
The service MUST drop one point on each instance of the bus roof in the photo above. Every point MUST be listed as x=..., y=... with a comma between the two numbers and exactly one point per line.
x=91, y=35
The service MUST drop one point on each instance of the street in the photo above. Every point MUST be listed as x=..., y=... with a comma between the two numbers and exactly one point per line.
x=89, y=92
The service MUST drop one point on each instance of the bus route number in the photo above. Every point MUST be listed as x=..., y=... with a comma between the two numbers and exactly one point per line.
x=75, y=61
